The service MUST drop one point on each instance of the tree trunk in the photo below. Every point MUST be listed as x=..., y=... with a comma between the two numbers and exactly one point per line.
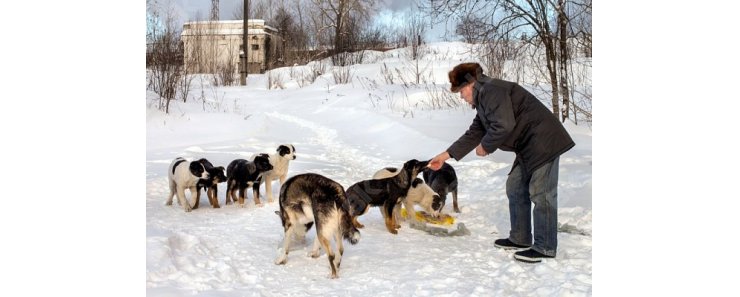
x=551, y=69
x=562, y=28
x=338, y=28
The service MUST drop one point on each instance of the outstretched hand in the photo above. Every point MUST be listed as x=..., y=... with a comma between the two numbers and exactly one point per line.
x=480, y=151
x=436, y=162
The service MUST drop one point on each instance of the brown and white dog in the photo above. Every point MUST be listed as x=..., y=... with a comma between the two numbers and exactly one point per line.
x=419, y=194
x=279, y=161
x=216, y=175
x=309, y=198
x=384, y=193
x=183, y=174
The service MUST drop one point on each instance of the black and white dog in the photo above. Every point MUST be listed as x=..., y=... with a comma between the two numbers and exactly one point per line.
x=279, y=161
x=183, y=174
x=443, y=181
x=242, y=174
x=309, y=198
x=419, y=194
x=385, y=193
x=216, y=176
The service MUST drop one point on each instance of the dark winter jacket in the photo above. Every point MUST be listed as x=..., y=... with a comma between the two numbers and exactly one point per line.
x=510, y=118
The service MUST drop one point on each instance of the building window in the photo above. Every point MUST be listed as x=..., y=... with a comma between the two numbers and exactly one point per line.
x=255, y=47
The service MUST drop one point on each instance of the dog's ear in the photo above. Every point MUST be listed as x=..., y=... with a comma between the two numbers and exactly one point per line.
x=220, y=168
x=196, y=168
x=277, y=213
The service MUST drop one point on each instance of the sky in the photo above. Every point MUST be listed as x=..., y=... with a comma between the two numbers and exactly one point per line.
x=190, y=7
x=347, y=132
x=656, y=187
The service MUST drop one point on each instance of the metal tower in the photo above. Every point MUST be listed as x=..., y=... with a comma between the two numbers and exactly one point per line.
x=214, y=10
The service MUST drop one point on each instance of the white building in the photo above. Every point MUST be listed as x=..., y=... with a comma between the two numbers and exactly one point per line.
x=212, y=46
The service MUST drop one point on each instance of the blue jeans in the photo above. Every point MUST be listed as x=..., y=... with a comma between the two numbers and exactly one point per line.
x=540, y=188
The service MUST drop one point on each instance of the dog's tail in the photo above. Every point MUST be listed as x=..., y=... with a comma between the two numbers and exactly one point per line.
x=349, y=231
x=281, y=201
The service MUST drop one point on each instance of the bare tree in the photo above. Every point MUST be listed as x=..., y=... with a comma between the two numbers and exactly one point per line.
x=548, y=19
x=471, y=28
x=373, y=38
x=414, y=29
x=496, y=51
x=564, y=56
x=336, y=15
x=258, y=9
x=164, y=53
x=226, y=67
x=536, y=15
x=286, y=28
x=580, y=22
x=195, y=51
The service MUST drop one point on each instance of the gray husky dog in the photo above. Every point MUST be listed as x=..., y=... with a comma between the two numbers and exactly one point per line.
x=310, y=198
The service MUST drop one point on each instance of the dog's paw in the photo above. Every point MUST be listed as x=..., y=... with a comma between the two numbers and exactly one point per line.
x=168, y=203
x=314, y=254
x=188, y=209
x=281, y=260
x=393, y=231
x=242, y=205
x=260, y=205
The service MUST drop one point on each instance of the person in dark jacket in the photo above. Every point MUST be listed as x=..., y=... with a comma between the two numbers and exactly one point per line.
x=510, y=118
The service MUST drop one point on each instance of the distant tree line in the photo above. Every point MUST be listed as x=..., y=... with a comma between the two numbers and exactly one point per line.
x=316, y=29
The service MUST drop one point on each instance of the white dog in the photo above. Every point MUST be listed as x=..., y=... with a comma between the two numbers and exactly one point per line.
x=182, y=175
x=419, y=194
x=279, y=161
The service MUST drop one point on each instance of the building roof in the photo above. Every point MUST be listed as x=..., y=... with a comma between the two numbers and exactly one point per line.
x=224, y=31
x=231, y=27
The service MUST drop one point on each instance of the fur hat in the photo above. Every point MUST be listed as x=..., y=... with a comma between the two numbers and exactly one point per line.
x=463, y=74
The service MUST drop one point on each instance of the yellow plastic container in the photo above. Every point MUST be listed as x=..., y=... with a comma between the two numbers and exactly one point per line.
x=443, y=219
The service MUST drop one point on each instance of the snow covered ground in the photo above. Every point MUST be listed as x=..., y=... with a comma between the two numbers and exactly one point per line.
x=347, y=132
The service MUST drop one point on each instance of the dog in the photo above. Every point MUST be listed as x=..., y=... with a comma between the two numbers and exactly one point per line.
x=242, y=174
x=384, y=193
x=183, y=174
x=216, y=176
x=443, y=181
x=309, y=198
x=279, y=161
x=419, y=194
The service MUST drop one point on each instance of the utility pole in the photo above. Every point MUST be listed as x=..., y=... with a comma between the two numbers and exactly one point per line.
x=245, y=44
